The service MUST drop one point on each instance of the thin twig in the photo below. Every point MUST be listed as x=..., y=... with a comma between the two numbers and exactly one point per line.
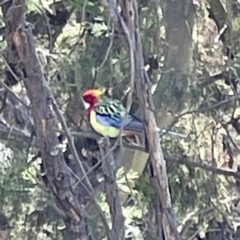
x=100, y=161
x=10, y=69
x=109, y=48
x=185, y=161
x=101, y=214
x=202, y=110
x=70, y=140
x=48, y=25
x=112, y=193
x=132, y=63
x=13, y=94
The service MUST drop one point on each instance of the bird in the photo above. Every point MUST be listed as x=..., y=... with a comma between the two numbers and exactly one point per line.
x=108, y=117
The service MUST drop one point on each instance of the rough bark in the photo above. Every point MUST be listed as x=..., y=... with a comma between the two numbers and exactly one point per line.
x=219, y=14
x=143, y=90
x=43, y=22
x=133, y=159
x=179, y=17
x=16, y=123
x=109, y=169
x=4, y=227
x=170, y=94
x=141, y=83
x=57, y=175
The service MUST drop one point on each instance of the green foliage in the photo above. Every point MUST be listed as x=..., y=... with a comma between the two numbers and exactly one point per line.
x=24, y=200
x=89, y=51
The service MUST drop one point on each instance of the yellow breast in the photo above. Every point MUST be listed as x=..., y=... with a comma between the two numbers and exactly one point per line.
x=106, y=131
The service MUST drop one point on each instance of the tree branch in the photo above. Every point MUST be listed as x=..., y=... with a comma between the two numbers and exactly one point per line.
x=56, y=171
x=142, y=85
x=109, y=169
x=204, y=166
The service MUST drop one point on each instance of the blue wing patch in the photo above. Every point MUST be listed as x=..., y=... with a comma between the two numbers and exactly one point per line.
x=112, y=113
x=108, y=120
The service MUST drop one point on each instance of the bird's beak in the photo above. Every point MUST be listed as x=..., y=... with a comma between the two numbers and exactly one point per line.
x=85, y=104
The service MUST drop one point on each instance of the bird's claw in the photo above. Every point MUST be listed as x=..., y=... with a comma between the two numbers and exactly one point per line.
x=102, y=141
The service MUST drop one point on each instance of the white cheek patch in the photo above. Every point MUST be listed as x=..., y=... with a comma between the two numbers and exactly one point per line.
x=86, y=105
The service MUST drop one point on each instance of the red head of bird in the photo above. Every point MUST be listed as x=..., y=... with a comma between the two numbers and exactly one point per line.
x=91, y=97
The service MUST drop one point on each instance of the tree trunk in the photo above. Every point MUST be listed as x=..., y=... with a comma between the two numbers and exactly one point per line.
x=170, y=93
x=56, y=173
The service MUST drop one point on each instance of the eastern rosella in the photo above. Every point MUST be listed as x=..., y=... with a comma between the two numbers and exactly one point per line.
x=108, y=116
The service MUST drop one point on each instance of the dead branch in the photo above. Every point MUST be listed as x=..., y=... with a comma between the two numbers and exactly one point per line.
x=109, y=169
x=143, y=90
x=70, y=141
x=187, y=161
x=130, y=27
x=133, y=159
x=59, y=178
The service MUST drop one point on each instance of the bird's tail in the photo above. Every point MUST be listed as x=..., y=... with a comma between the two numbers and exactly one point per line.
x=134, y=124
